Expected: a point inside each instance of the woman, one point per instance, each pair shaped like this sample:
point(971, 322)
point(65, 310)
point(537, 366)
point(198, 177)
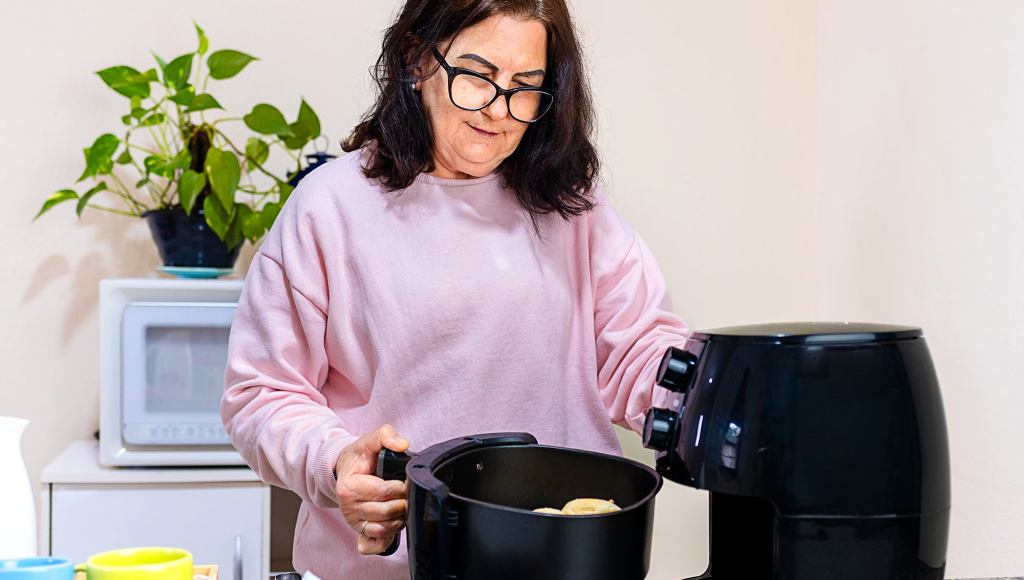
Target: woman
point(458, 272)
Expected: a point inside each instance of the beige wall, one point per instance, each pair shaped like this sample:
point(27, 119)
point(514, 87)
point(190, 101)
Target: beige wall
point(789, 160)
point(714, 164)
point(921, 213)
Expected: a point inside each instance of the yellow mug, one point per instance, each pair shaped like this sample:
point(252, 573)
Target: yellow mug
point(139, 564)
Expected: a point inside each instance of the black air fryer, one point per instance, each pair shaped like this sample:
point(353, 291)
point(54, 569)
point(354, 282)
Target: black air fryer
point(823, 445)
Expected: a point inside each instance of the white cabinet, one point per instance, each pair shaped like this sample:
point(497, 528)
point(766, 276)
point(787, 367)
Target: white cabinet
point(220, 523)
point(221, 515)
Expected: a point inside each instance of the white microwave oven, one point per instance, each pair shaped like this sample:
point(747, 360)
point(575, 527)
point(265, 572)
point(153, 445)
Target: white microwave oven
point(163, 349)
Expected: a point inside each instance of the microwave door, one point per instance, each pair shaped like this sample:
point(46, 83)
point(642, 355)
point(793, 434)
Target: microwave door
point(173, 361)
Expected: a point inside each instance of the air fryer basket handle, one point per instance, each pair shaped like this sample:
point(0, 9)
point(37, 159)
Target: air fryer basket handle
point(391, 466)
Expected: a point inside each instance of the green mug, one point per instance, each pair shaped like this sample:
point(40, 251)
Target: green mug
point(139, 564)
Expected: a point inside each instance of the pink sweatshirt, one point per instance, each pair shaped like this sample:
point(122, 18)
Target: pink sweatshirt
point(438, 310)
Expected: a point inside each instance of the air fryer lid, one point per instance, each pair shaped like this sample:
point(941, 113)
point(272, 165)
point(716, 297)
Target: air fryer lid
point(811, 332)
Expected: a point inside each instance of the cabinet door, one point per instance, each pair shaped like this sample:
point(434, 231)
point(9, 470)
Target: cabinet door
point(223, 524)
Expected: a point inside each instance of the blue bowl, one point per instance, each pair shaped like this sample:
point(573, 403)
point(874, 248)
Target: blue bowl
point(37, 569)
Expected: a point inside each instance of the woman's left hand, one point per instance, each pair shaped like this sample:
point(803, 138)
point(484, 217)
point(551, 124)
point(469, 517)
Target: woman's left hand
point(372, 506)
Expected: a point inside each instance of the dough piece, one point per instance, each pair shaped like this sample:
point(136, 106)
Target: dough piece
point(547, 510)
point(589, 506)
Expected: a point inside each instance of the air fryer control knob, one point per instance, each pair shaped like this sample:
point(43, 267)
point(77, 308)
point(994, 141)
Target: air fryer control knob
point(660, 429)
point(677, 370)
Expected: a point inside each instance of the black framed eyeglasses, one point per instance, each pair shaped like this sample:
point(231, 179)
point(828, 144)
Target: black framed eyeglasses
point(472, 91)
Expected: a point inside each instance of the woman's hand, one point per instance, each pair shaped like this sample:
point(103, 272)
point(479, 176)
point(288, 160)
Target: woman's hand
point(373, 507)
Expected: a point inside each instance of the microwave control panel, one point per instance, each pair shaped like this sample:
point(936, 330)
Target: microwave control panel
point(175, 434)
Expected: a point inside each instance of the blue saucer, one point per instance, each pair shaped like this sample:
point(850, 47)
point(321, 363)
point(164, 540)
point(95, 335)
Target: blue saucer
point(195, 273)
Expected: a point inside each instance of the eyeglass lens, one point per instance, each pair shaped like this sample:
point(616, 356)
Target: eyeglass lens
point(471, 92)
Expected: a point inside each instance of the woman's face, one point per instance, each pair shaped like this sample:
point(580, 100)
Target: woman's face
point(474, 143)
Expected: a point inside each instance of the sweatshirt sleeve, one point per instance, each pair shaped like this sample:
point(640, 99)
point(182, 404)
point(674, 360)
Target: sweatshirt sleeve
point(273, 408)
point(633, 319)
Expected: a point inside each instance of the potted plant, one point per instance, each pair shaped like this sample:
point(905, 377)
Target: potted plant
point(189, 171)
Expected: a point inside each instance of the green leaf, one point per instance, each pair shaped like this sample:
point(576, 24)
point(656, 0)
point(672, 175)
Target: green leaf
point(296, 141)
point(257, 150)
point(139, 112)
point(154, 164)
point(58, 197)
point(154, 119)
point(151, 75)
point(126, 119)
point(84, 200)
point(99, 157)
point(204, 44)
point(269, 213)
point(189, 187)
point(218, 218)
point(223, 171)
point(305, 128)
point(177, 72)
point(126, 81)
point(308, 120)
point(125, 158)
point(167, 167)
point(202, 102)
point(268, 120)
point(159, 61)
point(182, 160)
point(225, 64)
point(184, 97)
point(286, 191)
point(142, 182)
point(234, 235)
point(251, 223)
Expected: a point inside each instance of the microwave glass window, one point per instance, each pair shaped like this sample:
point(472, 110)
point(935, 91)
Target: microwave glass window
point(185, 368)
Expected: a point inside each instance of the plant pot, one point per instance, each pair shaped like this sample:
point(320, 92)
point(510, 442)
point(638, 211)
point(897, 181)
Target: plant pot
point(187, 240)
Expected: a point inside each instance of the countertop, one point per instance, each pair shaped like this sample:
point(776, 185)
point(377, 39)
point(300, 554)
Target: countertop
point(79, 463)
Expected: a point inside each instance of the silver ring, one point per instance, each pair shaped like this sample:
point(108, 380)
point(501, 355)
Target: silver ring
point(362, 528)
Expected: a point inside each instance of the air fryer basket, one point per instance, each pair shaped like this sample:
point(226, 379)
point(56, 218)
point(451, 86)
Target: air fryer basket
point(471, 502)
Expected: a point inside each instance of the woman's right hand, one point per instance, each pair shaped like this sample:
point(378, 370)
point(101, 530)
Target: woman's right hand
point(373, 507)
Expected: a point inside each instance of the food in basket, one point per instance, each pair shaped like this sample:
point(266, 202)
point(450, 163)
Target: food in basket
point(584, 506)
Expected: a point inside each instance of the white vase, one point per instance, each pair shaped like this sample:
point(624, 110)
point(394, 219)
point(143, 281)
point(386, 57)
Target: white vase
point(17, 505)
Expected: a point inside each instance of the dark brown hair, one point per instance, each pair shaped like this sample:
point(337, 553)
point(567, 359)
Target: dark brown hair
point(554, 166)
